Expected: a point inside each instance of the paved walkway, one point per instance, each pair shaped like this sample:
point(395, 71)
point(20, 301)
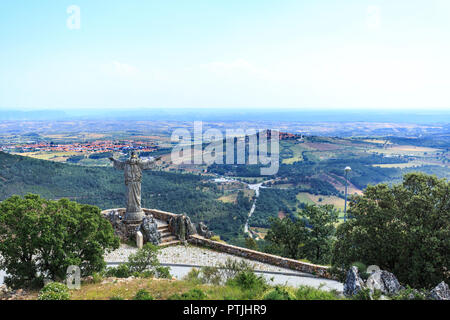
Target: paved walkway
point(182, 258)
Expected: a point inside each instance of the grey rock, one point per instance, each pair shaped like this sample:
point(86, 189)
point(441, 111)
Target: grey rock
point(182, 227)
point(440, 292)
point(149, 229)
point(353, 282)
point(383, 281)
point(203, 231)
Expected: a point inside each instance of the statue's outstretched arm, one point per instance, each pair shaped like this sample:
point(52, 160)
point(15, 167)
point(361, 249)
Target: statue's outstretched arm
point(147, 163)
point(117, 164)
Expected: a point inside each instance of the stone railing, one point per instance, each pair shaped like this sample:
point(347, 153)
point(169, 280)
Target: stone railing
point(157, 214)
point(320, 271)
point(161, 215)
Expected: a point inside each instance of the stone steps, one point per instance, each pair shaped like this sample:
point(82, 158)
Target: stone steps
point(169, 243)
point(168, 239)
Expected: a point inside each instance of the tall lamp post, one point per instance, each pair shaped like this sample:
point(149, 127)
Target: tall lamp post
point(347, 170)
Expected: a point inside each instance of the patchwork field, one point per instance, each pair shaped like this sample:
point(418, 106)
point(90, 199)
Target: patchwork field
point(309, 198)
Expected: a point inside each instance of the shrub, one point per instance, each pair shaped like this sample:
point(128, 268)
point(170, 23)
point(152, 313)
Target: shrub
point(144, 259)
point(163, 272)
point(193, 276)
point(143, 295)
point(211, 275)
point(97, 277)
point(248, 280)
point(193, 294)
point(367, 294)
point(410, 294)
point(146, 274)
point(232, 267)
point(279, 293)
point(54, 291)
point(310, 293)
point(122, 271)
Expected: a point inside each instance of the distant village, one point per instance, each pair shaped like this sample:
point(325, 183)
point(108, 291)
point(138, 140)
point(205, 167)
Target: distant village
point(88, 147)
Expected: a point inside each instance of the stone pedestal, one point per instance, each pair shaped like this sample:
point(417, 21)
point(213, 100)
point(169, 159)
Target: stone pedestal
point(131, 228)
point(134, 216)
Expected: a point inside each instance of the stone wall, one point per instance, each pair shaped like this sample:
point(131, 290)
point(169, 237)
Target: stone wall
point(161, 215)
point(321, 271)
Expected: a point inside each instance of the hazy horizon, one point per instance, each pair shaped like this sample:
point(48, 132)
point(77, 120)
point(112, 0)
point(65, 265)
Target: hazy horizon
point(230, 114)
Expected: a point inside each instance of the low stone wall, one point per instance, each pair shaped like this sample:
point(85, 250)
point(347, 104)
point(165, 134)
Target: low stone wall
point(161, 215)
point(321, 271)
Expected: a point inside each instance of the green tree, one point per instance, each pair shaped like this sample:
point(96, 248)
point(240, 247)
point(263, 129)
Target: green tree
point(40, 238)
point(286, 237)
point(404, 229)
point(310, 237)
point(251, 244)
point(319, 241)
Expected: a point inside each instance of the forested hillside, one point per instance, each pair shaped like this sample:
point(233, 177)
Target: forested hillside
point(104, 187)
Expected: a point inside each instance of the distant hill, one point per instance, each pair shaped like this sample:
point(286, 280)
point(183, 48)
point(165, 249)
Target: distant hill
point(104, 187)
point(32, 115)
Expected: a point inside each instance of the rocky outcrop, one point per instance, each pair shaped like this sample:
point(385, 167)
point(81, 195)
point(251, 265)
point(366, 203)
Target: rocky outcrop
point(440, 292)
point(383, 281)
point(149, 229)
point(203, 231)
point(353, 282)
point(182, 227)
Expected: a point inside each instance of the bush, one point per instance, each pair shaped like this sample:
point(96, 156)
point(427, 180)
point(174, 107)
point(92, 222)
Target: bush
point(41, 238)
point(278, 293)
point(193, 294)
point(97, 277)
point(411, 294)
point(163, 272)
point(122, 271)
point(144, 259)
point(217, 239)
point(367, 294)
point(211, 275)
point(232, 267)
point(54, 291)
point(248, 280)
point(143, 295)
point(193, 276)
point(310, 293)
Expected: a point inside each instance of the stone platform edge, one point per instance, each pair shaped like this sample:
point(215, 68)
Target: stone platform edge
point(158, 214)
point(320, 271)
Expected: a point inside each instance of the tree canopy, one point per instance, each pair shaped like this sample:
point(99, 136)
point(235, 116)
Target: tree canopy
point(40, 239)
point(404, 229)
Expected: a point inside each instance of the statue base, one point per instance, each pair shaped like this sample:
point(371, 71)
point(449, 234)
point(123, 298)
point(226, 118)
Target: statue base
point(134, 217)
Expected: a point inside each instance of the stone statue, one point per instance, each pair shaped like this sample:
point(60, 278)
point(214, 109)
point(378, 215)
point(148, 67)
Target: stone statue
point(133, 175)
point(149, 229)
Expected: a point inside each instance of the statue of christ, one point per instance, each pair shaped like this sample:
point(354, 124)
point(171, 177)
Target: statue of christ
point(133, 176)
